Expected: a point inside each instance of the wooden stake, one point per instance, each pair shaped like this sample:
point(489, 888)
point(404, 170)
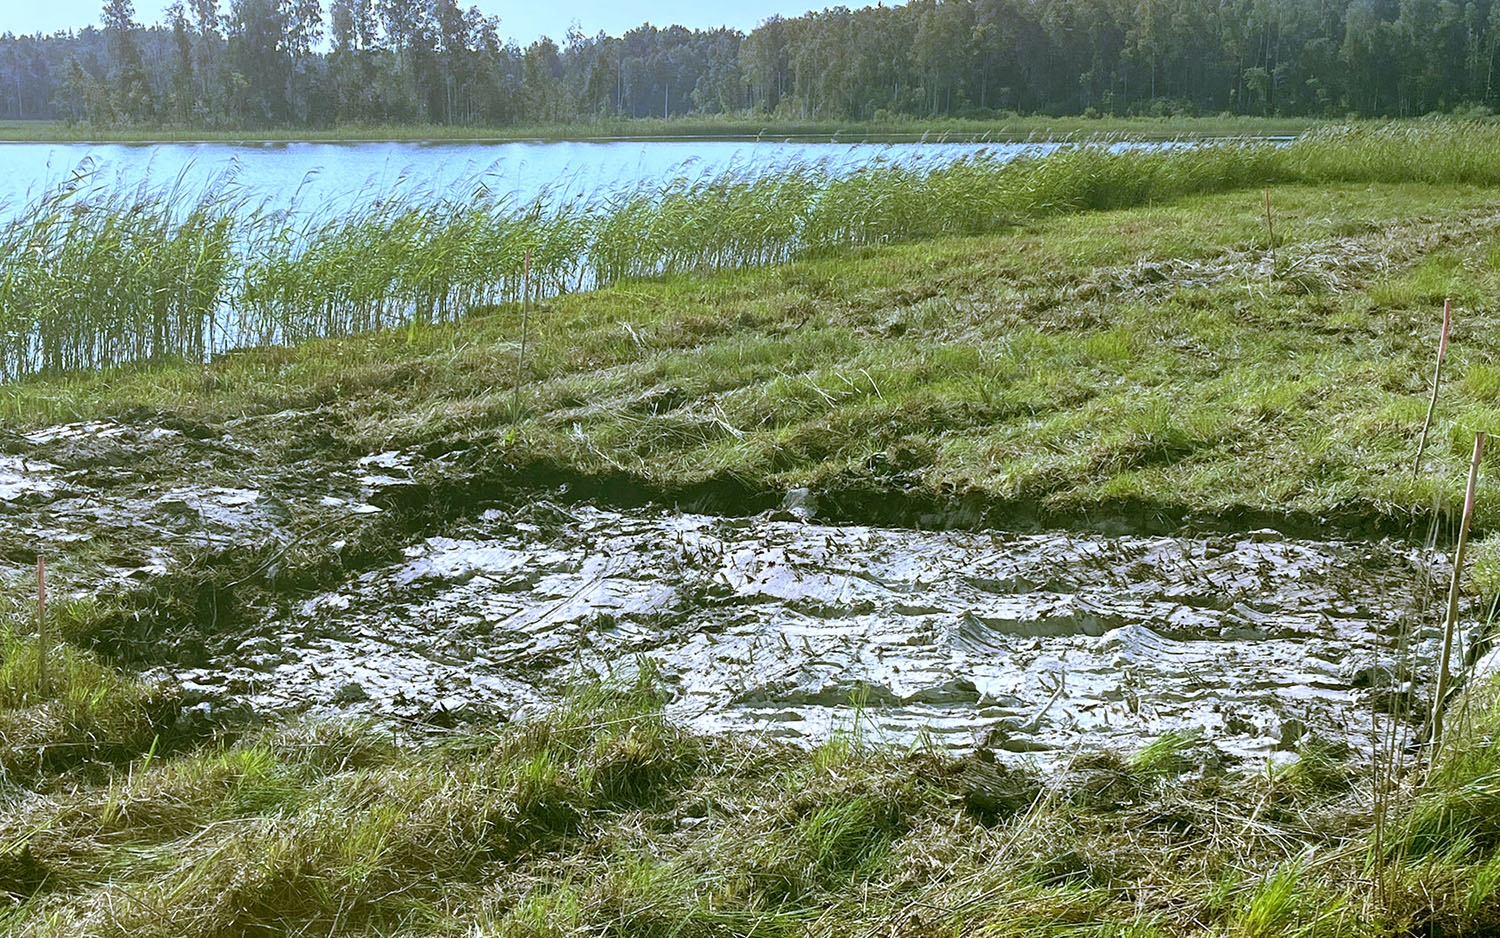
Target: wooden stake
point(1437, 376)
point(41, 625)
point(1444, 680)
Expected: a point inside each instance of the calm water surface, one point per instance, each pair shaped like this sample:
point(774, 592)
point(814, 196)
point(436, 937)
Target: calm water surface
point(333, 176)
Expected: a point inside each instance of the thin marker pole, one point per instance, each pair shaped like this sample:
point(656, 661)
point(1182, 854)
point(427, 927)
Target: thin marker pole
point(41, 625)
point(1270, 232)
point(1437, 376)
point(1451, 625)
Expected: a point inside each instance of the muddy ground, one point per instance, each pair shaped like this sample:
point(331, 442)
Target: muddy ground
point(276, 584)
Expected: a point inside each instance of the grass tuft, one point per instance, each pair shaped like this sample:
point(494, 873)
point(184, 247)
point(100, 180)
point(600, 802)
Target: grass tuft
point(85, 712)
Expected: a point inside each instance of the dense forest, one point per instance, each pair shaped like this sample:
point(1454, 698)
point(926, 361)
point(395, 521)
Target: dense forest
point(297, 63)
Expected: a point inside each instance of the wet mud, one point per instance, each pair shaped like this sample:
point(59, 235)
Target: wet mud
point(1032, 645)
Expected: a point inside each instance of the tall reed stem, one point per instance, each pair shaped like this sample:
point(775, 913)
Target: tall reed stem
point(1450, 626)
point(1437, 376)
point(521, 357)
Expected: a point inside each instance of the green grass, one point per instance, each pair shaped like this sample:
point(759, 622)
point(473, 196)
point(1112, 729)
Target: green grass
point(92, 278)
point(1144, 362)
point(82, 714)
point(604, 818)
point(699, 127)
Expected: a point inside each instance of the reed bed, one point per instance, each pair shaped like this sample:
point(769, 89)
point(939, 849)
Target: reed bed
point(92, 278)
point(1431, 150)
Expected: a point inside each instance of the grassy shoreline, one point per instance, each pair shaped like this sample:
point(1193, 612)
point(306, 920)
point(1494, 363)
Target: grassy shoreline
point(1174, 353)
point(93, 277)
point(688, 128)
point(1151, 357)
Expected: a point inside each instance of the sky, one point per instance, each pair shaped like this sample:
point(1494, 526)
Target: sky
point(523, 20)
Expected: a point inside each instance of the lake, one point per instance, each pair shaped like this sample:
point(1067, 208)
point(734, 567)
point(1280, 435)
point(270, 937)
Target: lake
point(336, 177)
point(306, 240)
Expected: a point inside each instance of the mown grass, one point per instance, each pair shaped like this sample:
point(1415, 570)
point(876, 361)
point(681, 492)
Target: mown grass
point(73, 712)
point(1150, 360)
point(604, 818)
point(94, 279)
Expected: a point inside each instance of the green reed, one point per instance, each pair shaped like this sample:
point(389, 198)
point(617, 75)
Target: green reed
point(93, 278)
point(713, 223)
point(1430, 150)
point(403, 260)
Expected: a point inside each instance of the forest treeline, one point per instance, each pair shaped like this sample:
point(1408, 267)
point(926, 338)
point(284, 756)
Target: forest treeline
point(299, 63)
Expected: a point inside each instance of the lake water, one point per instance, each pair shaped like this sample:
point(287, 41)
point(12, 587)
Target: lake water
point(333, 176)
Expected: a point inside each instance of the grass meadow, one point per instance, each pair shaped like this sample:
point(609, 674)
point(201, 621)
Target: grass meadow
point(1218, 337)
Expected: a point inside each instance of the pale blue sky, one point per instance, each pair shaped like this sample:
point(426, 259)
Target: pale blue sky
point(523, 20)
